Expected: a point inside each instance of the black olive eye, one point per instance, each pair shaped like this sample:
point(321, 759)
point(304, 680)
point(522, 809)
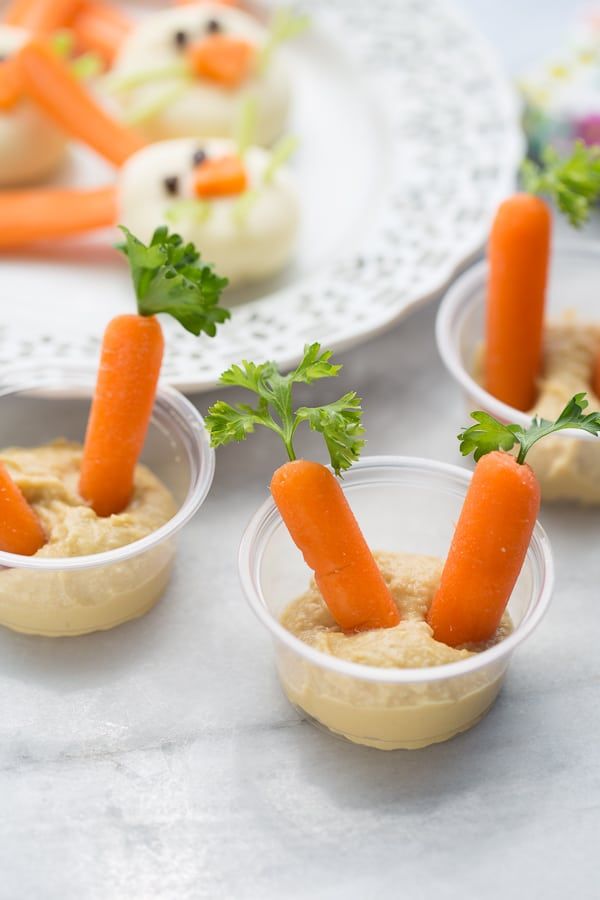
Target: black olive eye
point(171, 185)
point(213, 26)
point(181, 39)
point(199, 157)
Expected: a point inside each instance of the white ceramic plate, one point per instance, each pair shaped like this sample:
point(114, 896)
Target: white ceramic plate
point(410, 138)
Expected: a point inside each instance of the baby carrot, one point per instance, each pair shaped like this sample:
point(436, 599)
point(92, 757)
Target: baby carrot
point(18, 12)
point(43, 16)
point(323, 527)
point(11, 84)
point(52, 86)
point(487, 551)
point(596, 376)
point(518, 254)
point(132, 351)
point(20, 528)
point(31, 215)
point(220, 177)
point(100, 28)
point(223, 59)
point(496, 523)
point(168, 277)
point(310, 500)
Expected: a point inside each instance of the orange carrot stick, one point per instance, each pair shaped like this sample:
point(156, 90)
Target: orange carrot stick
point(18, 12)
point(487, 551)
point(220, 177)
point(596, 377)
point(322, 525)
point(51, 85)
point(100, 28)
point(20, 529)
point(168, 278)
point(132, 352)
point(518, 252)
point(310, 500)
point(11, 84)
point(42, 16)
point(223, 59)
point(32, 215)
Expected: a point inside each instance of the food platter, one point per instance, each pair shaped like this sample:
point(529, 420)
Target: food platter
point(409, 138)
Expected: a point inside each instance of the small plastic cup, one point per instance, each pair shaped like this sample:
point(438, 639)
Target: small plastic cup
point(75, 595)
point(403, 505)
point(460, 335)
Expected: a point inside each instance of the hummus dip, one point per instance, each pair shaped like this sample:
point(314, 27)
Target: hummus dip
point(69, 602)
point(567, 468)
point(383, 714)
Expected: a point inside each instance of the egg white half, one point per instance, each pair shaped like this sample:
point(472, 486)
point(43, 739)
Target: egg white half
point(244, 248)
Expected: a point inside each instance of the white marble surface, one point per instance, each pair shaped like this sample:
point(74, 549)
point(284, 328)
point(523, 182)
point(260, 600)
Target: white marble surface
point(161, 761)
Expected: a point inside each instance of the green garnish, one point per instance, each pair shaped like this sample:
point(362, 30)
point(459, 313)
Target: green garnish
point(196, 211)
point(63, 43)
point(246, 125)
point(126, 82)
point(573, 182)
point(243, 205)
point(169, 277)
point(87, 66)
point(153, 108)
point(338, 422)
point(279, 156)
point(282, 151)
point(284, 26)
point(489, 434)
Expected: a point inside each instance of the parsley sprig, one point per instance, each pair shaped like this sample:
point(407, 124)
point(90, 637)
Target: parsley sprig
point(489, 434)
point(339, 422)
point(573, 182)
point(169, 277)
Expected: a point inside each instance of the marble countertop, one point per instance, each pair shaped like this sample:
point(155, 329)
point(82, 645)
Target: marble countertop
point(132, 773)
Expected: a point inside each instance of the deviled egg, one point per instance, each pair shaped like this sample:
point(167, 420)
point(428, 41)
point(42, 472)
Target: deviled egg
point(241, 211)
point(31, 145)
point(189, 70)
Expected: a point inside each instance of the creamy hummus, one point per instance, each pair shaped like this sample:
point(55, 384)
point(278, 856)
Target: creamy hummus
point(65, 602)
point(567, 468)
point(380, 714)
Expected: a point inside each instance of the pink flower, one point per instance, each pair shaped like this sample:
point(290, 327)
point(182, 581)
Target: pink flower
point(587, 129)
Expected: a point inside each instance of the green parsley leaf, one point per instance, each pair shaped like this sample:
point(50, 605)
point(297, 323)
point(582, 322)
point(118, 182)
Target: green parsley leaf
point(573, 182)
point(338, 422)
point(489, 434)
point(486, 436)
point(229, 423)
point(340, 425)
point(169, 277)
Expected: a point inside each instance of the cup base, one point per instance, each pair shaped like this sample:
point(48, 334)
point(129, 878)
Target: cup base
point(398, 743)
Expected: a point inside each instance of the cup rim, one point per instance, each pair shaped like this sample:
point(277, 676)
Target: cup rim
point(267, 517)
point(188, 417)
point(458, 295)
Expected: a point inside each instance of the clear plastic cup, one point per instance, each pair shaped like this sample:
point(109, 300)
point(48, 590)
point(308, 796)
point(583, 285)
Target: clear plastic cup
point(460, 336)
point(403, 505)
point(75, 595)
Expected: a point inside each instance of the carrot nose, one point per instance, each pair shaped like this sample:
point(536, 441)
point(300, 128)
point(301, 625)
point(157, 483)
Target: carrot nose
point(222, 59)
point(221, 177)
point(11, 83)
